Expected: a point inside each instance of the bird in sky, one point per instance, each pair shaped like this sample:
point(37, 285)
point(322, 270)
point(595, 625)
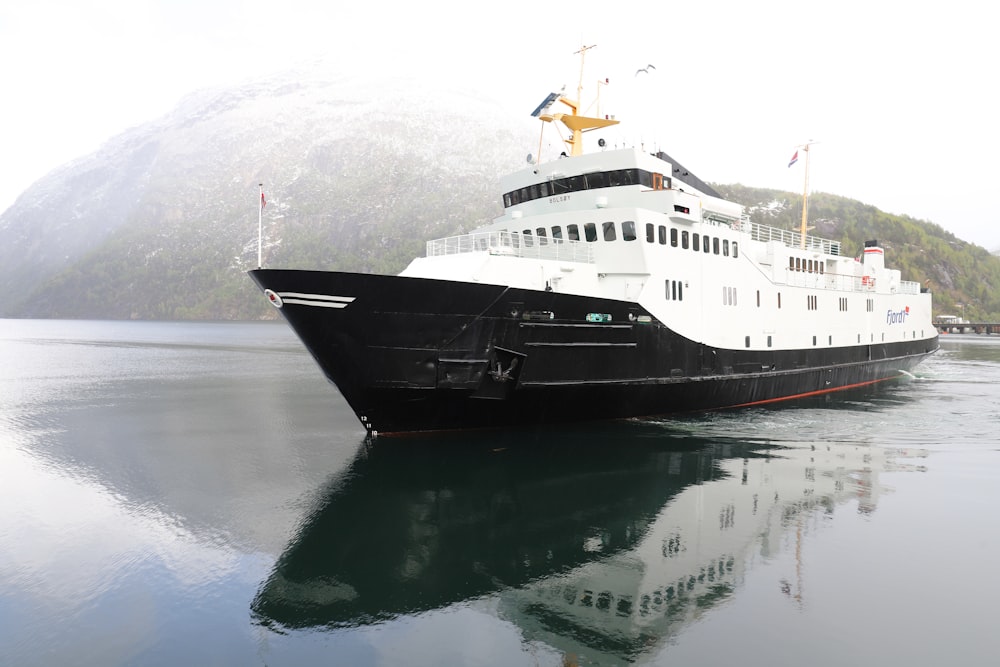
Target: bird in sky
point(644, 69)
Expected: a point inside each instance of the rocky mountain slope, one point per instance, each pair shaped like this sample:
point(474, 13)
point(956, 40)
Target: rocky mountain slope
point(161, 222)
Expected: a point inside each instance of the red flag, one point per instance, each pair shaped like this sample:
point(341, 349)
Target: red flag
point(262, 202)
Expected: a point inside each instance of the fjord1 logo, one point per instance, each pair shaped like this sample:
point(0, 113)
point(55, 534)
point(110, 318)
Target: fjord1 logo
point(897, 316)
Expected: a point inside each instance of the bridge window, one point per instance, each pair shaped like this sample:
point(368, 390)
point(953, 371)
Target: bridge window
point(527, 238)
point(662, 231)
point(673, 237)
point(590, 230)
point(684, 239)
point(705, 245)
point(695, 242)
point(628, 231)
point(542, 240)
point(572, 232)
point(557, 232)
point(725, 248)
point(609, 231)
point(650, 232)
point(715, 245)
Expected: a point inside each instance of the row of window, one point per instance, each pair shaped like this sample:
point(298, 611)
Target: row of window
point(674, 292)
point(609, 231)
point(694, 241)
point(805, 265)
point(600, 179)
point(829, 339)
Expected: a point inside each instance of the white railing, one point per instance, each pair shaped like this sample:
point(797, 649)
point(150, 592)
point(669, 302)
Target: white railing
point(843, 282)
point(759, 232)
point(513, 244)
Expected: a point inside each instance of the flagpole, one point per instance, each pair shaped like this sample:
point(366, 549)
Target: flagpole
point(260, 228)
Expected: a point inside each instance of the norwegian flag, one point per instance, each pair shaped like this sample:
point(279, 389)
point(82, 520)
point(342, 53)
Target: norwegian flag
point(262, 202)
point(795, 158)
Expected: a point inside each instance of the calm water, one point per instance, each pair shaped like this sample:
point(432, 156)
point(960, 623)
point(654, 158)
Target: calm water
point(196, 494)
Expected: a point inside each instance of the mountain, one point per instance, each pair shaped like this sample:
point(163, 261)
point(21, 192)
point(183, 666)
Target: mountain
point(161, 221)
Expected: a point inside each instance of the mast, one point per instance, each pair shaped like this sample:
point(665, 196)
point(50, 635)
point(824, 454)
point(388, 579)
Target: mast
point(805, 199)
point(576, 123)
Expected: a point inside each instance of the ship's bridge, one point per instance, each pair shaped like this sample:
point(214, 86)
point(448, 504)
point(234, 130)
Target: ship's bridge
point(613, 179)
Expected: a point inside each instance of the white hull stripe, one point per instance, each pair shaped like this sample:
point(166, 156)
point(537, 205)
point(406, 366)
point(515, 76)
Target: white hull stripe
point(321, 300)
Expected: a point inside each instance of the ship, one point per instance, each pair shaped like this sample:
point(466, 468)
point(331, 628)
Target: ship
point(616, 284)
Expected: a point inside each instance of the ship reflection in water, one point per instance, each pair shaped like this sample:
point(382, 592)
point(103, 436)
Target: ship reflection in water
point(608, 544)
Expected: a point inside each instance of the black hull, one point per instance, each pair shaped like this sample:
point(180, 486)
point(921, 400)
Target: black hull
point(412, 354)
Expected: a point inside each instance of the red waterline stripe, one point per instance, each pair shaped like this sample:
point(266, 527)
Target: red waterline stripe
point(818, 392)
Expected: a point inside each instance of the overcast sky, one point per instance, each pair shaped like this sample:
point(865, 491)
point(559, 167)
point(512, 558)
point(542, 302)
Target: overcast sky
point(901, 96)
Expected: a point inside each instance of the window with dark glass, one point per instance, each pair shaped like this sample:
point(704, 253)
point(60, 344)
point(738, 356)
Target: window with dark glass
point(725, 247)
point(650, 232)
point(695, 242)
point(572, 232)
point(528, 242)
point(597, 180)
point(715, 245)
point(628, 230)
point(590, 230)
point(673, 237)
point(540, 232)
point(662, 235)
point(608, 229)
point(557, 232)
point(684, 239)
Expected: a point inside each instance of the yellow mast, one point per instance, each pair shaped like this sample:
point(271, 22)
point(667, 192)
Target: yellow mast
point(576, 123)
point(805, 199)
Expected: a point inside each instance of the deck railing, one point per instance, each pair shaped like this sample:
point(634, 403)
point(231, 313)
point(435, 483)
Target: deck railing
point(765, 233)
point(513, 244)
